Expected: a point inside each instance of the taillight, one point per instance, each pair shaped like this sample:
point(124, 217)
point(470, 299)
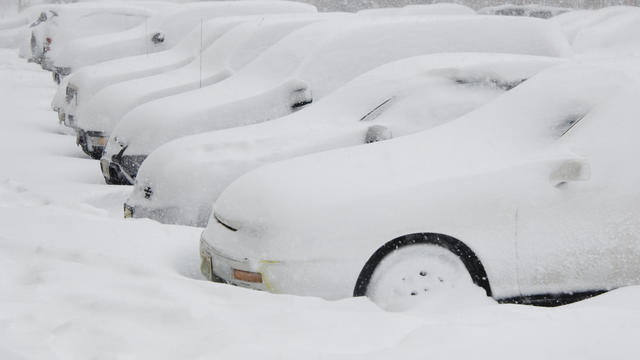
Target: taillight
point(48, 40)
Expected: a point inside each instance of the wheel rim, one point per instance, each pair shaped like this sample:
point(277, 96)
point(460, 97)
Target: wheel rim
point(414, 274)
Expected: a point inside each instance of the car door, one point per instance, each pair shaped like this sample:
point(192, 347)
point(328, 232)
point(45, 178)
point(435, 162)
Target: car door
point(582, 233)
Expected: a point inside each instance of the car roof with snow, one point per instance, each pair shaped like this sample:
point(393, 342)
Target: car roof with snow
point(525, 121)
point(321, 57)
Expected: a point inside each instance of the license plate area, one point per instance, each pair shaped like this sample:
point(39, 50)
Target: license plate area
point(206, 266)
point(104, 166)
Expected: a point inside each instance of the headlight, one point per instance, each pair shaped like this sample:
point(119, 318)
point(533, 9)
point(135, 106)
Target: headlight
point(247, 276)
point(96, 138)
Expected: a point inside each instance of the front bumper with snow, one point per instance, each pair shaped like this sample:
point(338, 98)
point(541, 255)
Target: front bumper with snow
point(220, 267)
point(166, 215)
point(91, 142)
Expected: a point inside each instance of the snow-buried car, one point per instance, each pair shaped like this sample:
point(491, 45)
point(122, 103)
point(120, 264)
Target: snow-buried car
point(237, 47)
point(532, 197)
point(160, 32)
point(179, 182)
point(306, 66)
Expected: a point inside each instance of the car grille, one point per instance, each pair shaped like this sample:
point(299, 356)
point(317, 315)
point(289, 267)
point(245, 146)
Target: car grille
point(70, 94)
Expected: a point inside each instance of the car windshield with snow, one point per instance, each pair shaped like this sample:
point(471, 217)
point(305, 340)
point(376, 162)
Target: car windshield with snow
point(307, 65)
point(536, 205)
point(179, 181)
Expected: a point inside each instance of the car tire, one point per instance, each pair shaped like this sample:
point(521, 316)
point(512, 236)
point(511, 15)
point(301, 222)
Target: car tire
point(420, 259)
point(415, 273)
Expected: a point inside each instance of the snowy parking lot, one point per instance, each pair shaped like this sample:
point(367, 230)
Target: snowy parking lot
point(78, 281)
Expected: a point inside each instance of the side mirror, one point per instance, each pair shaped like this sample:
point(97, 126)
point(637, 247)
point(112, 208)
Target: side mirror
point(157, 38)
point(377, 133)
point(570, 170)
point(300, 98)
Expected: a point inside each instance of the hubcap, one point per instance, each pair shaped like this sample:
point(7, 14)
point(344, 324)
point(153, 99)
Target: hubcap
point(414, 274)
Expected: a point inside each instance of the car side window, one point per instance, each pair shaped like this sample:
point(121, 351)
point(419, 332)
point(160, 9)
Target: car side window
point(376, 111)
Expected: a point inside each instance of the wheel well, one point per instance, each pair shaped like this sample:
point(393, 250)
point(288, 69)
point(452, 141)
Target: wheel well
point(468, 257)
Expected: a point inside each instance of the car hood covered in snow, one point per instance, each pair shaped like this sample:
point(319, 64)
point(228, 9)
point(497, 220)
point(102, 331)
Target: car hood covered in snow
point(338, 195)
point(316, 60)
point(404, 96)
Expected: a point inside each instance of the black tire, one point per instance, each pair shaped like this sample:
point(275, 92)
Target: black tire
point(467, 256)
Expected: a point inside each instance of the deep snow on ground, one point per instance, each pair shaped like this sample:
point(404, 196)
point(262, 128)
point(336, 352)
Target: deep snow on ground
point(79, 282)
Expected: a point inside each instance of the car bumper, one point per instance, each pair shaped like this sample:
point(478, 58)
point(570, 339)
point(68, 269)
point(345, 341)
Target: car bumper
point(217, 266)
point(91, 142)
point(166, 215)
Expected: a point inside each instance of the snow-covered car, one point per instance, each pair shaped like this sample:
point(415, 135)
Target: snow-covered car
point(162, 31)
point(179, 182)
point(62, 24)
point(78, 88)
point(239, 46)
point(424, 9)
point(613, 29)
point(532, 10)
point(532, 197)
point(307, 65)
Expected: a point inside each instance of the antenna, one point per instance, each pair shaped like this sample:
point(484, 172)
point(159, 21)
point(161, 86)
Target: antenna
point(201, 44)
point(146, 36)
